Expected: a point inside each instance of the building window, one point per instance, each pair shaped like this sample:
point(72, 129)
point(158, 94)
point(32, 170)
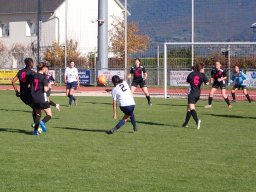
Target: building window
point(30, 28)
point(4, 29)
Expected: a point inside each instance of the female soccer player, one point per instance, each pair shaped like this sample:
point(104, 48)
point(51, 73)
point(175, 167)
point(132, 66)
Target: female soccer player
point(239, 79)
point(195, 80)
point(218, 77)
point(40, 101)
point(72, 81)
point(24, 76)
point(121, 93)
point(139, 78)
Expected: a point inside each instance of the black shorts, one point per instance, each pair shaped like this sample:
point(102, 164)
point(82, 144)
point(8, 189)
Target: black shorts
point(72, 85)
point(127, 110)
point(27, 100)
point(220, 85)
point(239, 87)
point(192, 99)
point(44, 105)
point(141, 83)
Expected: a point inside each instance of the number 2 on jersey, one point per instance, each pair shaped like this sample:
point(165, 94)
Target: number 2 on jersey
point(122, 87)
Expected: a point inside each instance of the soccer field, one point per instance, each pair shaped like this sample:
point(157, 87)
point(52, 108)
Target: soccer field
point(76, 154)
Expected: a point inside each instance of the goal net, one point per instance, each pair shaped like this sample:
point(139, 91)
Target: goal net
point(179, 57)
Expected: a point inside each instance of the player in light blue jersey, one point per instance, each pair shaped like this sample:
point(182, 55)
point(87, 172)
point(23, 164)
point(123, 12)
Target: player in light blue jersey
point(239, 79)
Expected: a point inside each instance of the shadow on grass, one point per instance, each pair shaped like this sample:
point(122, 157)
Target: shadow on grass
point(16, 131)
point(151, 123)
point(232, 116)
point(80, 129)
point(98, 103)
point(25, 111)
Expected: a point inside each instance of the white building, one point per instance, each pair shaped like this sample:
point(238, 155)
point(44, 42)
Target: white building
point(18, 21)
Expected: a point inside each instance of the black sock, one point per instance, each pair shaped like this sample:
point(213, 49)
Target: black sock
point(148, 98)
point(194, 115)
point(34, 114)
point(70, 99)
point(188, 115)
point(233, 96)
point(46, 118)
point(248, 97)
point(37, 120)
point(52, 103)
point(210, 100)
point(227, 101)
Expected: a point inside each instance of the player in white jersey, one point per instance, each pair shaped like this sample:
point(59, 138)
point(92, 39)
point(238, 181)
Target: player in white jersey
point(121, 93)
point(72, 81)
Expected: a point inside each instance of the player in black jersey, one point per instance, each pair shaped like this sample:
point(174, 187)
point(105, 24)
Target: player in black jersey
point(38, 90)
point(218, 78)
point(24, 77)
point(195, 80)
point(139, 78)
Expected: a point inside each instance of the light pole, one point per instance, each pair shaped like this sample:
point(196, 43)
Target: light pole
point(125, 40)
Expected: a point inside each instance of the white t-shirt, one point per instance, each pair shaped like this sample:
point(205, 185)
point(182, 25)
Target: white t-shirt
point(71, 74)
point(123, 94)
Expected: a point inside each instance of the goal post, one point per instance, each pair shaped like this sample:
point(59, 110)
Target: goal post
point(179, 55)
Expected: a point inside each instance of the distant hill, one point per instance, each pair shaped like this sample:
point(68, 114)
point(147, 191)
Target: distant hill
point(215, 20)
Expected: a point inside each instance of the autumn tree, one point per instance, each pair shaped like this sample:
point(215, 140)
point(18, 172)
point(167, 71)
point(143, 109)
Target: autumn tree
point(136, 42)
point(55, 54)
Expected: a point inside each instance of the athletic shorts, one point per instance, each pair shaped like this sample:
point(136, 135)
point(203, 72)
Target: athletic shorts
point(239, 87)
point(192, 99)
point(44, 105)
point(72, 85)
point(220, 85)
point(141, 83)
point(27, 100)
point(127, 110)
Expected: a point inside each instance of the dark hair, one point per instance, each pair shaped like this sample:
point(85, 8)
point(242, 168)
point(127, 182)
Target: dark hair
point(137, 59)
point(116, 80)
point(198, 67)
point(29, 62)
point(41, 65)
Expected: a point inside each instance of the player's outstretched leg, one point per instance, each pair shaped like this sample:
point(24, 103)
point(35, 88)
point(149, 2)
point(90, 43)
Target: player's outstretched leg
point(188, 115)
point(133, 121)
point(118, 126)
point(194, 115)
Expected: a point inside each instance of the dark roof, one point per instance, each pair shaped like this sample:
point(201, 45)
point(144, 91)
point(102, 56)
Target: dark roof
point(28, 6)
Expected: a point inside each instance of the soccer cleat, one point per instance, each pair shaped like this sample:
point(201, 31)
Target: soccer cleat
point(135, 129)
point(42, 125)
point(40, 130)
point(36, 132)
point(229, 106)
point(184, 125)
point(207, 106)
point(198, 124)
point(150, 104)
point(58, 107)
point(109, 131)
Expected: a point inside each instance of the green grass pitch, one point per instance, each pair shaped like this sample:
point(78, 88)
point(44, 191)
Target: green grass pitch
point(76, 154)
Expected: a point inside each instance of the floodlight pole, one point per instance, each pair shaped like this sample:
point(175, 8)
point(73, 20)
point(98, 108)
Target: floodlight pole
point(125, 41)
point(192, 35)
point(38, 29)
point(66, 31)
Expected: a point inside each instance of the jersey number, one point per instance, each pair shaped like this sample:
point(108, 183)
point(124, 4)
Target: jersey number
point(196, 80)
point(122, 87)
point(36, 84)
point(23, 77)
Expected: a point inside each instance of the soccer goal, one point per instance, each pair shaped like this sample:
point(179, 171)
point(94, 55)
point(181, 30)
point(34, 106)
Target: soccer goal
point(179, 57)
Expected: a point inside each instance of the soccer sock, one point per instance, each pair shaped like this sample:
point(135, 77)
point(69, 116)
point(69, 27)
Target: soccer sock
point(46, 118)
point(194, 115)
point(37, 120)
point(119, 125)
point(70, 99)
point(248, 97)
point(34, 115)
point(148, 98)
point(233, 96)
point(210, 100)
point(52, 103)
point(133, 121)
point(187, 118)
point(227, 101)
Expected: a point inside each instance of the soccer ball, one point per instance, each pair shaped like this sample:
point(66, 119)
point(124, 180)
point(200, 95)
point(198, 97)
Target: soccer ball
point(102, 80)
